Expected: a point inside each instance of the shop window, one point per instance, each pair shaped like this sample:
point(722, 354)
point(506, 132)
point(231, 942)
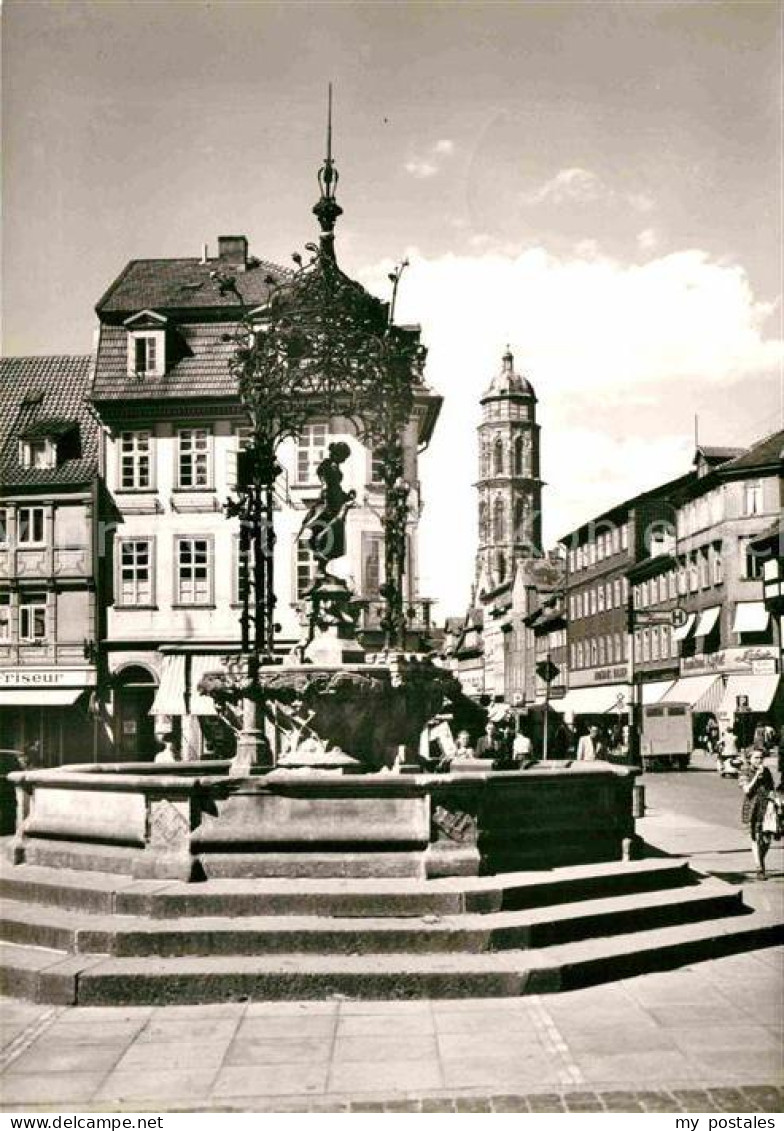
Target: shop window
point(136, 573)
point(194, 464)
point(32, 618)
point(194, 571)
point(135, 461)
point(31, 526)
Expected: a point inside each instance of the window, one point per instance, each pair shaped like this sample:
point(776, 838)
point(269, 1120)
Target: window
point(377, 466)
point(306, 569)
point(3, 526)
point(718, 566)
point(752, 497)
point(655, 643)
point(499, 521)
point(194, 581)
point(594, 654)
point(591, 553)
point(593, 602)
point(750, 563)
point(638, 647)
point(646, 645)
point(311, 450)
point(38, 453)
point(579, 654)
point(616, 540)
point(600, 599)
point(602, 652)
point(145, 353)
point(703, 569)
point(693, 574)
point(498, 457)
point(372, 545)
point(134, 460)
point(617, 648)
point(195, 463)
point(573, 655)
point(625, 536)
point(32, 617)
point(600, 548)
point(571, 608)
point(644, 595)
point(136, 572)
point(5, 616)
point(617, 594)
point(31, 526)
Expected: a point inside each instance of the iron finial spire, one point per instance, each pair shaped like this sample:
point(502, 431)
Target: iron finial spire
point(327, 210)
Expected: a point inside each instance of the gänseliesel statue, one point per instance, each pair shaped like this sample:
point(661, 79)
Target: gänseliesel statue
point(325, 522)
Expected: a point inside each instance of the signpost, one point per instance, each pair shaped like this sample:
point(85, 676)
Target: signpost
point(547, 671)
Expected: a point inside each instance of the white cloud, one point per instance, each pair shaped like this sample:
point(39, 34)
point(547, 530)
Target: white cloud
point(581, 186)
point(596, 332)
point(421, 169)
point(428, 165)
point(647, 239)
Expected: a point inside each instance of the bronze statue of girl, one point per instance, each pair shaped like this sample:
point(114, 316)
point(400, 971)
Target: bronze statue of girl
point(326, 519)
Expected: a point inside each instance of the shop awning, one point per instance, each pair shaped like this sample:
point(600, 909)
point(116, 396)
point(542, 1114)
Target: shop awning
point(750, 616)
point(39, 697)
point(594, 700)
point(200, 665)
point(707, 621)
point(760, 690)
point(701, 692)
point(684, 630)
point(653, 692)
point(170, 696)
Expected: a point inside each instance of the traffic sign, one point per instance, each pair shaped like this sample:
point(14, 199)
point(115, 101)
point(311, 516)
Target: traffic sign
point(547, 670)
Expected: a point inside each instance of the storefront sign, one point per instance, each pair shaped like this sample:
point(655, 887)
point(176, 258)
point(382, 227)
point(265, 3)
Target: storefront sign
point(592, 676)
point(47, 677)
point(748, 660)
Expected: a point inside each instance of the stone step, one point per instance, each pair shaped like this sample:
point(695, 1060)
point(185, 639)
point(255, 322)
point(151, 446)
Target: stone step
point(96, 893)
point(133, 936)
point(52, 976)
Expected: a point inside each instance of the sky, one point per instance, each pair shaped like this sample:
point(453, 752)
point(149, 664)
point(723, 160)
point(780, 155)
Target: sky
point(597, 185)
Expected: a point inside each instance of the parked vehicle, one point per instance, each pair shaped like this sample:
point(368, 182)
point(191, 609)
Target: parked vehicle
point(666, 741)
point(10, 760)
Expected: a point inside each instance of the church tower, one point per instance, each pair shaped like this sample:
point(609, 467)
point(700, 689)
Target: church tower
point(509, 486)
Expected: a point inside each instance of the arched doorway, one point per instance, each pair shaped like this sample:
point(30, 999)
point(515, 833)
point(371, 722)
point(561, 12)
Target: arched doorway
point(134, 726)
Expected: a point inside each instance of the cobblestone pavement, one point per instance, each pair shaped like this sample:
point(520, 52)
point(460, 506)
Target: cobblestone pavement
point(702, 1038)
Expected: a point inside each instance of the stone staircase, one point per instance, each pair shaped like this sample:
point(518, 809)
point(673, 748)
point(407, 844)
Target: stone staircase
point(94, 938)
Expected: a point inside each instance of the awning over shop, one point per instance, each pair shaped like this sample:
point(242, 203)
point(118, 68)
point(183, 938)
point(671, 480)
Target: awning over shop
point(39, 697)
point(200, 665)
point(760, 690)
point(707, 621)
point(684, 630)
point(594, 700)
point(182, 673)
point(750, 616)
point(170, 696)
point(701, 692)
point(653, 692)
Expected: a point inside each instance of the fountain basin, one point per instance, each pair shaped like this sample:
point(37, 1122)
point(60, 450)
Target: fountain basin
point(191, 821)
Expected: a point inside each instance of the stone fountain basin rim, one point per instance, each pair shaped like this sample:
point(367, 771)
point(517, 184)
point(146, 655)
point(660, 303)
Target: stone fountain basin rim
point(189, 777)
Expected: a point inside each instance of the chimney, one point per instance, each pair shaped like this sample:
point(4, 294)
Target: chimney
point(233, 250)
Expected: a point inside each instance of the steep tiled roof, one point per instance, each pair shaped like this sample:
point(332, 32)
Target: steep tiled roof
point(184, 284)
point(717, 455)
point(765, 453)
point(51, 391)
point(199, 367)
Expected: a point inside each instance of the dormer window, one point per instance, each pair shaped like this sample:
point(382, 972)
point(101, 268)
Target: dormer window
point(146, 344)
point(38, 453)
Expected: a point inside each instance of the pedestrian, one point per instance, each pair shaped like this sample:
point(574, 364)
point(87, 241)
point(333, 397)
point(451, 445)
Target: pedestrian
point(727, 754)
point(489, 744)
point(758, 790)
point(522, 748)
point(591, 748)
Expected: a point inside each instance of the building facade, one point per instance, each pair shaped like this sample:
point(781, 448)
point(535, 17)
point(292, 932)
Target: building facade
point(52, 541)
point(173, 428)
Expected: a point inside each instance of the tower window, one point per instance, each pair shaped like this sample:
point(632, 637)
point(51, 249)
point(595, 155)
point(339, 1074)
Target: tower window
point(498, 457)
point(499, 521)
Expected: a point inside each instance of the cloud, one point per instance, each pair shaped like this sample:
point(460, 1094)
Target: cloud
point(608, 346)
point(581, 186)
point(647, 239)
point(429, 164)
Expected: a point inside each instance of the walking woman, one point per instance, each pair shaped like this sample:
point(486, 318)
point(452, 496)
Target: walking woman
point(757, 787)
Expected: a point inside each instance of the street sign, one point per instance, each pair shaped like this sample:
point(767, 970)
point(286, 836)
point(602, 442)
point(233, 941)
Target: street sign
point(679, 617)
point(547, 670)
point(675, 617)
